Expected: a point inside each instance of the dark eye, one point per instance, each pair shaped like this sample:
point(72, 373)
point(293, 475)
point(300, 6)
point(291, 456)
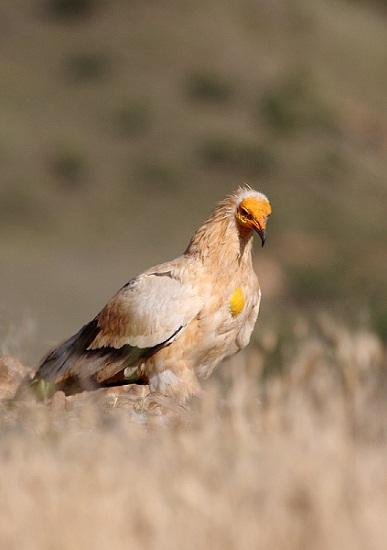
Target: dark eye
point(245, 212)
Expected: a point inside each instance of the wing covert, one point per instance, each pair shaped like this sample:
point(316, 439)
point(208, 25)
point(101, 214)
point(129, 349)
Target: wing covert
point(149, 311)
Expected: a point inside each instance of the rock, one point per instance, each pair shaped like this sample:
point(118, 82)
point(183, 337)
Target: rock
point(12, 373)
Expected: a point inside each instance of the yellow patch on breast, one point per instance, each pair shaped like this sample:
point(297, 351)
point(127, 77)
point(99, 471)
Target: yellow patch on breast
point(237, 301)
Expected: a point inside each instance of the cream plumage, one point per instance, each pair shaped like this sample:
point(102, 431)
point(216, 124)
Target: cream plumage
point(171, 325)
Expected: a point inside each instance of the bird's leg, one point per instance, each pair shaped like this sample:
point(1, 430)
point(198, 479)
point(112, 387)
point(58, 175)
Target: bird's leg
point(178, 381)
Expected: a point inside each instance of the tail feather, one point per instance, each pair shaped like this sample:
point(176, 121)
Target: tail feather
point(72, 367)
point(60, 359)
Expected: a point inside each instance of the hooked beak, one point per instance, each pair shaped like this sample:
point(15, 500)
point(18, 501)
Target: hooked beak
point(261, 232)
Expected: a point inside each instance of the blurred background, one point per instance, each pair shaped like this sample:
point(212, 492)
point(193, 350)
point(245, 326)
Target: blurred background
point(123, 122)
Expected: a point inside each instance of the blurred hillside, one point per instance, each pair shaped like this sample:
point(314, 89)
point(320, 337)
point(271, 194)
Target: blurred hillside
point(121, 123)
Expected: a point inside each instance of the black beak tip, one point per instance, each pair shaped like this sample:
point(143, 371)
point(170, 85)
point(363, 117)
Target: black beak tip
point(262, 235)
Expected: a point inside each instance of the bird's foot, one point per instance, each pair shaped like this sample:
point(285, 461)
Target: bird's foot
point(157, 404)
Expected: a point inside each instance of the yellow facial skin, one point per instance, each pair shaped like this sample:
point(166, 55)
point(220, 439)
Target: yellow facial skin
point(252, 214)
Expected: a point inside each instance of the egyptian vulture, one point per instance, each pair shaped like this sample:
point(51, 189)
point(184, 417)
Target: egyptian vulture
point(170, 326)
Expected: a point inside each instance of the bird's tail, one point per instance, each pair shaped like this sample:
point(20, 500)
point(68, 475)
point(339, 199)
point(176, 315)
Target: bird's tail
point(71, 367)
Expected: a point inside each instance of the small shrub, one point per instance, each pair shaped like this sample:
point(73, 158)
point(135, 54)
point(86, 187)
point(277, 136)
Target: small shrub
point(132, 118)
point(208, 87)
point(68, 165)
point(70, 9)
point(217, 151)
point(88, 66)
point(246, 156)
point(292, 105)
point(158, 174)
point(254, 158)
point(372, 4)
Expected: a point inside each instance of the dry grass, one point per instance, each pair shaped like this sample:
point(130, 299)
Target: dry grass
point(288, 461)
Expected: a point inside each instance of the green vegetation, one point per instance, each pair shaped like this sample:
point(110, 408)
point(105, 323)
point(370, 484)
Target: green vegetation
point(242, 156)
point(208, 87)
point(70, 9)
point(291, 105)
point(157, 175)
point(88, 66)
point(68, 166)
point(132, 118)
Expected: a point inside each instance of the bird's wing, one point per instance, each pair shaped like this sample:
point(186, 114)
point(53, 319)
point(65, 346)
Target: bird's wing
point(146, 314)
point(150, 310)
